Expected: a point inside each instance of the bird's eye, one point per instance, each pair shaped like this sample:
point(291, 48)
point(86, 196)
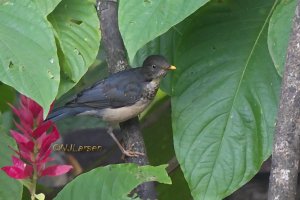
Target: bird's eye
point(154, 66)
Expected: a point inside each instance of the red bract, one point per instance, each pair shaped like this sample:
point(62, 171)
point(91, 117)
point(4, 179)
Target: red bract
point(34, 143)
point(36, 109)
point(41, 129)
point(56, 170)
point(19, 170)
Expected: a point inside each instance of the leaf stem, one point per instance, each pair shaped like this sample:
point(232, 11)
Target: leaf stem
point(34, 182)
point(35, 172)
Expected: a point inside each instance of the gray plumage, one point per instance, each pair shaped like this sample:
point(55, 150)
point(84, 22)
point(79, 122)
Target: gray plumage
point(119, 97)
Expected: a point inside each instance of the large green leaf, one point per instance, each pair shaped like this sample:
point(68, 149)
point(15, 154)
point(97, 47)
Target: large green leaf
point(225, 95)
point(279, 32)
point(157, 133)
point(10, 189)
point(77, 31)
point(112, 182)
point(46, 6)
point(142, 21)
point(28, 57)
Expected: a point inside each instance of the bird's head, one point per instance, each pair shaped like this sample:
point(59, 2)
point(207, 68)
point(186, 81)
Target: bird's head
point(156, 67)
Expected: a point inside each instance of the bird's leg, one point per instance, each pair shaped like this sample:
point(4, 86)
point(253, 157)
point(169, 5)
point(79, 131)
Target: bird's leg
point(125, 152)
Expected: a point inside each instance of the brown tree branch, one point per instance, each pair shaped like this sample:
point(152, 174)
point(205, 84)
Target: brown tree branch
point(111, 36)
point(285, 158)
point(116, 60)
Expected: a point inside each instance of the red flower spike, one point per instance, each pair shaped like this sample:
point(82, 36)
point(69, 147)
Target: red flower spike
point(26, 147)
point(54, 134)
point(41, 140)
point(28, 170)
point(19, 170)
point(26, 155)
point(20, 138)
point(17, 162)
point(15, 172)
point(24, 101)
point(26, 126)
point(56, 170)
point(43, 157)
point(42, 163)
point(16, 111)
point(26, 117)
point(24, 130)
point(39, 118)
point(45, 146)
point(41, 129)
point(23, 153)
point(40, 168)
point(34, 145)
point(34, 108)
point(45, 141)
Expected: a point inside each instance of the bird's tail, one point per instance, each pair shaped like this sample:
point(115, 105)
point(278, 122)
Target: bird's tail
point(63, 112)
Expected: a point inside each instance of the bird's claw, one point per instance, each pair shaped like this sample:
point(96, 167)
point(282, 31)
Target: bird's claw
point(128, 153)
point(132, 153)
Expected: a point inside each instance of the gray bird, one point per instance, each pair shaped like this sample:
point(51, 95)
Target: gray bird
point(119, 97)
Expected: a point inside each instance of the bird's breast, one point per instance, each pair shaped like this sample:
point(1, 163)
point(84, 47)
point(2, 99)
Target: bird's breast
point(151, 89)
point(117, 115)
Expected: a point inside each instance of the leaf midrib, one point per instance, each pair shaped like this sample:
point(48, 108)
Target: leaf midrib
point(238, 88)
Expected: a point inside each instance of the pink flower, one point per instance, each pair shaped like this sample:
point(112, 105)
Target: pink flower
point(34, 143)
point(19, 170)
point(56, 170)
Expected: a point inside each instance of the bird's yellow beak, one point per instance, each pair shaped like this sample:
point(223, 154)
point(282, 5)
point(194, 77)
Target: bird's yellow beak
point(172, 67)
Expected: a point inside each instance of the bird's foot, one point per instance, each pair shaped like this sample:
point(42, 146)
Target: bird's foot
point(130, 153)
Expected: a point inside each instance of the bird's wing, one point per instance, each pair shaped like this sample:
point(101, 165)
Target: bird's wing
point(122, 89)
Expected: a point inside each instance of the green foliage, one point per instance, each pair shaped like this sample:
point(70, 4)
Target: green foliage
point(224, 93)
point(76, 28)
point(5, 122)
point(46, 6)
point(10, 189)
point(35, 51)
point(225, 96)
point(279, 32)
point(112, 181)
point(7, 96)
point(28, 58)
point(157, 133)
point(151, 18)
